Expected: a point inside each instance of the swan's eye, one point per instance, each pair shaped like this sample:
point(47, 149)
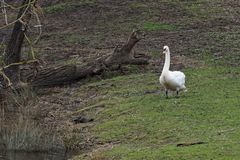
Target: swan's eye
point(164, 49)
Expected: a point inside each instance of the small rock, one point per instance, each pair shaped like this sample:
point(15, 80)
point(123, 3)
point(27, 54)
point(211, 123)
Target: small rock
point(82, 119)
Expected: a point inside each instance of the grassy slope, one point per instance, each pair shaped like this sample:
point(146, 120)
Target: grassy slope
point(137, 125)
point(149, 126)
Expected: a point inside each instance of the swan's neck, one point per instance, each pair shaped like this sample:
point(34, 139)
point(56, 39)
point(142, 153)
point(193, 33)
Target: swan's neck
point(167, 63)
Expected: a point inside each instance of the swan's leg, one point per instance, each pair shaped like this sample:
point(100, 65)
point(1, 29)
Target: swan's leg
point(166, 92)
point(177, 93)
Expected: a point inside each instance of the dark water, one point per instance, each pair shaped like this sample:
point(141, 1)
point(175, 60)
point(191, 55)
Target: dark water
point(13, 155)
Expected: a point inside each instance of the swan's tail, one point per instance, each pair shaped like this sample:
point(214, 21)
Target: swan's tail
point(184, 88)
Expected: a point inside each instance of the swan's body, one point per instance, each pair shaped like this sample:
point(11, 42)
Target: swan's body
point(171, 80)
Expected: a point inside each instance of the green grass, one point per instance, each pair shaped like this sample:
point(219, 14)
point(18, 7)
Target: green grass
point(138, 5)
point(196, 9)
point(75, 38)
point(56, 8)
point(63, 6)
point(230, 54)
point(202, 9)
point(150, 26)
point(149, 126)
point(70, 38)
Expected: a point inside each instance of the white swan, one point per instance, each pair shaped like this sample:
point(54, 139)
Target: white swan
point(171, 80)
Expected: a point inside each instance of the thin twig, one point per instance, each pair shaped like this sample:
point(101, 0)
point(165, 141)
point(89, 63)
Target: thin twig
point(31, 46)
point(4, 11)
point(18, 63)
point(20, 18)
point(9, 83)
point(2, 43)
point(4, 48)
point(12, 7)
point(28, 7)
point(6, 78)
point(39, 26)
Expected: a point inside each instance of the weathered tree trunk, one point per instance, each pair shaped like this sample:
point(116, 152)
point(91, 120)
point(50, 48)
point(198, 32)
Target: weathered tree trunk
point(68, 73)
point(13, 50)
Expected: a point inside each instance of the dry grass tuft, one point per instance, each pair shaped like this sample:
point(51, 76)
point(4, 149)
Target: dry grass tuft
point(19, 130)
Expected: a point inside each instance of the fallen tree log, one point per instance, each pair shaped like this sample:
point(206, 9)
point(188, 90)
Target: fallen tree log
point(69, 73)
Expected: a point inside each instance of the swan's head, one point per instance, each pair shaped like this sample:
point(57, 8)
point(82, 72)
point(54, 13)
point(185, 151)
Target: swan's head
point(165, 49)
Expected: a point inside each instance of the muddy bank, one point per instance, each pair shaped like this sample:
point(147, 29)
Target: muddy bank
point(21, 155)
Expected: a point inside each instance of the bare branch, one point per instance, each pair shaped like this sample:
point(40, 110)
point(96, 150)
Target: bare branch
point(5, 77)
point(30, 3)
point(9, 83)
point(19, 63)
point(31, 46)
point(4, 11)
point(12, 7)
point(12, 58)
point(39, 26)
